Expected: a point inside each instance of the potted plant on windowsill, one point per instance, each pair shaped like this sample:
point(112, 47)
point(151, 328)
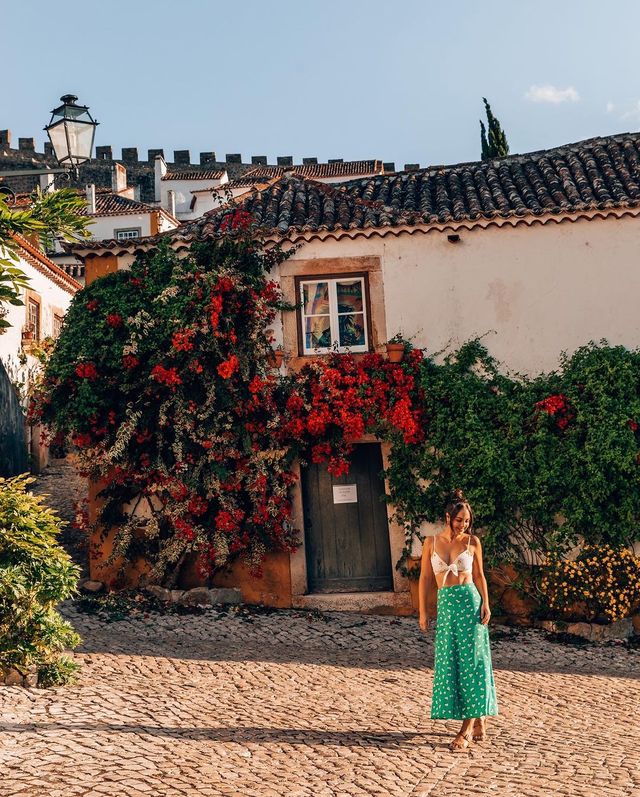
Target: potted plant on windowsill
point(28, 332)
point(278, 356)
point(396, 348)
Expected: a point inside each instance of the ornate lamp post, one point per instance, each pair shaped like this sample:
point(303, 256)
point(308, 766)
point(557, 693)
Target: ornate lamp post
point(71, 131)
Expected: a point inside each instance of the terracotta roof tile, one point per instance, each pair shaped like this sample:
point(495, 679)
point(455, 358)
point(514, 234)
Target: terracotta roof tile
point(319, 171)
point(110, 204)
point(590, 175)
point(195, 175)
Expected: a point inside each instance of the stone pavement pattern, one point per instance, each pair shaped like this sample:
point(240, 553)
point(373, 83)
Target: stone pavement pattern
point(294, 704)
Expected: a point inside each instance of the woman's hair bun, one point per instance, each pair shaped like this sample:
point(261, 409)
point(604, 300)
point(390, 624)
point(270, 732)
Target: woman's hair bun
point(458, 495)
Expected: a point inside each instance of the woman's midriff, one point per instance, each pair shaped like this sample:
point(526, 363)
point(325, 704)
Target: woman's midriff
point(451, 582)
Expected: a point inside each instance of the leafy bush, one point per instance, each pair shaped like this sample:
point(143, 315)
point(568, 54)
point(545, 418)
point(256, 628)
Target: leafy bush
point(35, 575)
point(603, 583)
point(162, 379)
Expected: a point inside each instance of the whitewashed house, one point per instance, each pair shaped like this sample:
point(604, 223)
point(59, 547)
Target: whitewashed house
point(537, 252)
point(46, 300)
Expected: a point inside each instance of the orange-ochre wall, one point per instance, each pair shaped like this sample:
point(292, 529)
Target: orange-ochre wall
point(273, 589)
point(98, 265)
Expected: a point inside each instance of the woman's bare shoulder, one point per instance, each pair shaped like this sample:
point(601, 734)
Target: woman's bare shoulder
point(474, 541)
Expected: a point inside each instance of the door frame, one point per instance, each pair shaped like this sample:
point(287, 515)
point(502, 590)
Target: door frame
point(298, 561)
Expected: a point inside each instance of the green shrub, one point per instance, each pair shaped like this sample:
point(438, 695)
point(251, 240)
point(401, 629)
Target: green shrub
point(35, 575)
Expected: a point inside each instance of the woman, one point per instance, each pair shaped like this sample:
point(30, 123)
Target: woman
point(463, 685)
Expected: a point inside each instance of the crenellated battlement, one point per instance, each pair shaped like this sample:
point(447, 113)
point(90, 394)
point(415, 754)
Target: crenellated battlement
point(140, 165)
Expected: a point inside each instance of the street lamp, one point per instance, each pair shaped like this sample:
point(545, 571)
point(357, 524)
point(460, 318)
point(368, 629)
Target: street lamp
point(71, 132)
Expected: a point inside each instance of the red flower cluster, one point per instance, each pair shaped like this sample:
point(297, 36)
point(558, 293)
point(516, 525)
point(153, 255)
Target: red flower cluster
point(184, 530)
point(114, 320)
point(227, 368)
point(337, 400)
point(228, 521)
point(183, 340)
point(633, 425)
point(215, 308)
point(86, 371)
point(92, 305)
point(130, 361)
point(167, 376)
point(81, 440)
point(558, 407)
point(238, 220)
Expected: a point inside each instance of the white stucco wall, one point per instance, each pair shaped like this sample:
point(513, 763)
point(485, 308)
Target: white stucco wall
point(51, 297)
point(105, 226)
point(183, 195)
point(535, 290)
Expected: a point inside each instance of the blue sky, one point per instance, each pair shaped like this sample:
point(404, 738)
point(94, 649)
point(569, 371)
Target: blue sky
point(339, 78)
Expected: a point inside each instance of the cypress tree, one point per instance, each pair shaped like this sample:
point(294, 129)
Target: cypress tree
point(494, 141)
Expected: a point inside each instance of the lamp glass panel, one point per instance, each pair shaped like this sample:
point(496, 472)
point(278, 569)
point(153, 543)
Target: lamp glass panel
point(80, 140)
point(59, 141)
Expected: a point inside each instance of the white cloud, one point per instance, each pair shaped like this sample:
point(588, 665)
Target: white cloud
point(610, 107)
point(552, 94)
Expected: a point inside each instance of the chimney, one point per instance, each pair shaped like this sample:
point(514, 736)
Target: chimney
point(5, 139)
point(207, 157)
point(285, 160)
point(335, 160)
point(118, 178)
point(171, 202)
point(309, 161)
point(152, 154)
point(91, 198)
point(389, 166)
point(235, 157)
point(259, 160)
point(159, 171)
point(27, 144)
point(411, 167)
point(47, 182)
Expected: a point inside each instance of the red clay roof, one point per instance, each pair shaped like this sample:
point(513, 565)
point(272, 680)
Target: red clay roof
point(41, 263)
point(195, 175)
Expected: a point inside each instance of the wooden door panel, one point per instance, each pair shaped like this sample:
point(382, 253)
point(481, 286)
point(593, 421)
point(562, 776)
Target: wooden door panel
point(347, 544)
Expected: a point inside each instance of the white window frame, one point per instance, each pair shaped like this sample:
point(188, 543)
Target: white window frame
point(333, 314)
point(117, 233)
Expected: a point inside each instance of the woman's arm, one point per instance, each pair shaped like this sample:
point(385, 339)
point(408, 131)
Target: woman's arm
point(480, 581)
point(424, 584)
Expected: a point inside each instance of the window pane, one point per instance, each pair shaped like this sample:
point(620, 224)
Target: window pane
point(352, 332)
point(349, 296)
point(315, 298)
point(317, 333)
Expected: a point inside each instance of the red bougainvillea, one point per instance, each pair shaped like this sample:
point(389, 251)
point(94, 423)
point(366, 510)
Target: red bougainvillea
point(558, 407)
point(335, 401)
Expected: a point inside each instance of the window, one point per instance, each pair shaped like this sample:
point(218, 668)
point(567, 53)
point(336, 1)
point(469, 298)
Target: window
point(57, 324)
point(334, 314)
point(33, 317)
point(123, 235)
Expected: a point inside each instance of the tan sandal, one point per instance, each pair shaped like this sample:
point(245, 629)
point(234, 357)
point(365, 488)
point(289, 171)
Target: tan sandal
point(481, 735)
point(465, 741)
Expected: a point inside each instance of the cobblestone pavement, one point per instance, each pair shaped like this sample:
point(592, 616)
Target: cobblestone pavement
point(62, 487)
point(296, 704)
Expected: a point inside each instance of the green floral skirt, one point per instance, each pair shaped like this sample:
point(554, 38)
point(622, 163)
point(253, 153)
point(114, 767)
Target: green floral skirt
point(463, 685)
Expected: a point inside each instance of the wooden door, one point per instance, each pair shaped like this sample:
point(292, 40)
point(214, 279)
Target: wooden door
point(346, 528)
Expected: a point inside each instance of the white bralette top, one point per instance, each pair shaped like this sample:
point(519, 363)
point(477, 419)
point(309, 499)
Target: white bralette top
point(462, 564)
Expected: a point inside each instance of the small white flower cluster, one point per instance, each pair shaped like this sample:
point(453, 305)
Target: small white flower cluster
point(123, 435)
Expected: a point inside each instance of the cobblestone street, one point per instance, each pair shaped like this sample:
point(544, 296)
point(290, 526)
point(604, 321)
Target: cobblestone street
point(295, 704)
